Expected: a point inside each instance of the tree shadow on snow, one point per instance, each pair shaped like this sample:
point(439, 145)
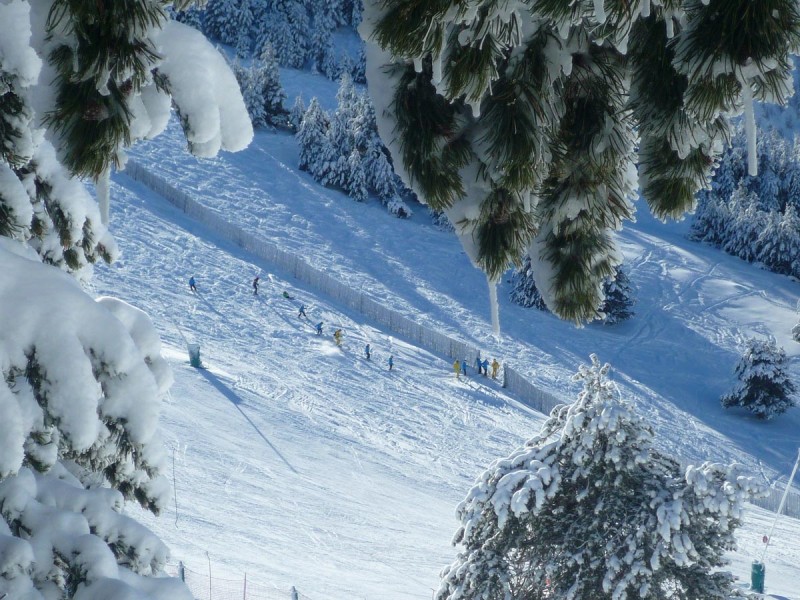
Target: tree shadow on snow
point(237, 402)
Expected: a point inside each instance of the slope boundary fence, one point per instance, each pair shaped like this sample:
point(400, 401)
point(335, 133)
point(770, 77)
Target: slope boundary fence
point(433, 341)
point(211, 587)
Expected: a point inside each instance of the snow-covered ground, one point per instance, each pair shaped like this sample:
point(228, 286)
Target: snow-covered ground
point(303, 464)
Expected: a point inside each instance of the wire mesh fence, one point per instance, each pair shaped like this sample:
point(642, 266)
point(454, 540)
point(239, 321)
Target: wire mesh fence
point(425, 337)
point(209, 586)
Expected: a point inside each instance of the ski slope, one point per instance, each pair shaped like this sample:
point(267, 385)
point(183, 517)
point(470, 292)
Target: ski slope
point(303, 464)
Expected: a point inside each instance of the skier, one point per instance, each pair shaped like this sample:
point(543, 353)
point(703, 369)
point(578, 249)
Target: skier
point(192, 284)
point(391, 362)
point(319, 328)
point(302, 312)
point(337, 337)
point(464, 367)
point(287, 295)
point(495, 366)
point(485, 365)
point(367, 351)
point(255, 286)
point(457, 369)
point(478, 363)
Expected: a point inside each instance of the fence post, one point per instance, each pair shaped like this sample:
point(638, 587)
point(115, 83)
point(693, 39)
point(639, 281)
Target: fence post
point(181, 572)
point(244, 591)
point(294, 595)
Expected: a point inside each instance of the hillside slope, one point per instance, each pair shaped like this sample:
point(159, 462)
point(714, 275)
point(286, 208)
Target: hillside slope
point(304, 465)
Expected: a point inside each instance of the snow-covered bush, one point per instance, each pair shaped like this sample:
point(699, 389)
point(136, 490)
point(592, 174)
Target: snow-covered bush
point(589, 509)
point(764, 386)
point(82, 383)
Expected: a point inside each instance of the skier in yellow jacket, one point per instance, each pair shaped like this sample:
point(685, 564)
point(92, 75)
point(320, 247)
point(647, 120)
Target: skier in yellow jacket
point(457, 368)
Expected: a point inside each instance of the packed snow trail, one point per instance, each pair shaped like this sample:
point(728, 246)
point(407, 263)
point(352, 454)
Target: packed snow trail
point(290, 451)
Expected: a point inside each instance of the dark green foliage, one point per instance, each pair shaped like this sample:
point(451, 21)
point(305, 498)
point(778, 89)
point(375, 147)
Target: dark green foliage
point(94, 125)
point(558, 104)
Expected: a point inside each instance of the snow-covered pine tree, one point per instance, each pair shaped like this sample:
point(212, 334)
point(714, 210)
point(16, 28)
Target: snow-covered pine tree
point(355, 180)
point(268, 78)
point(321, 52)
point(219, 20)
point(191, 16)
point(312, 139)
point(764, 386)
point(252, 92)
point(243, 27)
point(287, 30)
point(796, 332)
point(523, 287)
point(590, 509)
point(540, 102)
point(620, 297)
point(82, 379)
point(297, 112)
point(742, 233)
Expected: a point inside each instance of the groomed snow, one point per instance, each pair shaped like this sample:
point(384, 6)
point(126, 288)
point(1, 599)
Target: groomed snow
point(304, 465)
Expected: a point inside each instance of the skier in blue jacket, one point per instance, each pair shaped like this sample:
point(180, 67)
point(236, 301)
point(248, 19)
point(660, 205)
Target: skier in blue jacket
point(367, 351)
point(319, 328)
point(192, 284)
point(391, 362)
point(464, 367)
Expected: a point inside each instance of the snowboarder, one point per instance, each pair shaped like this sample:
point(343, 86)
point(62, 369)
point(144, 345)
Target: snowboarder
point(319, 328)
point(391, 362)
point(485, 365)
point(192, 284)
point(255, 286)
point(287, 295)
point(367, 351)
point(464, 367)
point(457, 369)
point(495, 366)
point(302, 313)
point(337, 337)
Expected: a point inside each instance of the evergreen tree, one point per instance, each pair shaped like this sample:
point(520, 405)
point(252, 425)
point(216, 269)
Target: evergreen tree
point(312, 139)
point(191, 16)
point(219, 21)
point(355, 182)
point(764, 386)
point(243, 28)
point(541, 100)
point(268, 79)
point(619, 297)
point(523, 287)
point(297, 112)
point(288, 32)
point(590, 509)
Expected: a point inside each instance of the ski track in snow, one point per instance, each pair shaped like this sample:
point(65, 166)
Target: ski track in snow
point(291, 452)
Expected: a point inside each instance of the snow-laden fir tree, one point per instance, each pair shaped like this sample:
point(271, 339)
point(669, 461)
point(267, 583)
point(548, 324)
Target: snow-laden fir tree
point(82, 379)
point(297, 112)
point(355, 182)
point(243, 27)
point(528, 121)
point(287, 29)
point(589, 509)
point(764, 386)
point(219, 20)
point(619, 297)
point(523, 287)
point(312, 139)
